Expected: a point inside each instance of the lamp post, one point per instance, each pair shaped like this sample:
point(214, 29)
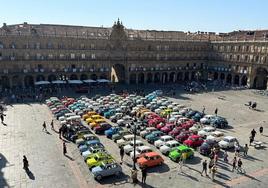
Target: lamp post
point(134, 174)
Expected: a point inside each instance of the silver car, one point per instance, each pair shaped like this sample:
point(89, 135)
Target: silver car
point(105, 170)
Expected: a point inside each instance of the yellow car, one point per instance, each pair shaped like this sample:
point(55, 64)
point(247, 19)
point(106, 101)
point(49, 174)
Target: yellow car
point(142, 111)
point(93, 118)
point(96, 123)
point(166, 112)
point(88, 115)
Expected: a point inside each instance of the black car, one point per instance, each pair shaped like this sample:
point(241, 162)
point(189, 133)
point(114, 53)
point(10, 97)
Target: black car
point(205, 148)
point(102, 127)
point(219, 122)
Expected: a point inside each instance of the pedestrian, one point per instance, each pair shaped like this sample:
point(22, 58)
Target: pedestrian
point(214, 170)
point(239, 166)
point(181, 162)
point(246, 150)
point(64, 148)
point(237, 149)
point(216, 157)
point(203, 111)
point(60, 131)
point(204, 164)
point(261, 130)
point(143, 174)
point(216, 111)
point(210, 165)
point(225, 156)
point(253, 133)
point(2, 118)
point(122, 153)
point(44, 126)
point(251, 139)
point(25, 163)
point(234, 164)
point(52, 125)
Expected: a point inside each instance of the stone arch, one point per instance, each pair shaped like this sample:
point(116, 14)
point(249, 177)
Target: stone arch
point(186, 76)
point(118, 71)
point(179, 76)
point(5, 82)
point(140, 78)
point(16, 81)
point(52, 77)
point(164, 77)
point(93, 77)
point(73, 77)
point(260, 80)
point(149, 78)
point(40, 78)
point(83, 77)
point(236, 80)
point(244, 80)
point(222, 76)
point(157, 77)
point(216, 76)
point(28, 81)
point(172, 77)
point(132, 78)
point(229, 79)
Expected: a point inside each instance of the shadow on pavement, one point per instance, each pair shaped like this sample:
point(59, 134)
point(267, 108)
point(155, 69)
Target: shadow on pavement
point(3, 164)
point(251, 177)
point(144, 185)
point(159, 169)
point(195, 160)
point(250, 158)
point(115, 180)
point(30, 174)
point(69, 157)
point(221, 183)
point(188, 176)
point(223, 176)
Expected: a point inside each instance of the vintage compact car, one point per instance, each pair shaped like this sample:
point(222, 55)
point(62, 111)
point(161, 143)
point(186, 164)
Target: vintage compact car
point(193, 141)
point(113, 130)
point(227, 142)
point(92, 150)
point(87, 144)
point(215, 135)
point(130, 147)
point(167, 128)
point(176, 153)
point(96, 123)
point(219, 122)
point(184, 135)
point(206, 131)
point(140, 151)
point(119, 135)
point(207, 119)
point(150, 159)
point(104, 170)
point(155, 135)
point(101, 128)
point(162, 140)
point(125, 140)
point(168, 146)
point(89, 114)
point(97, 159)
point(147, 131)
point(205, 148)
point(93, 118)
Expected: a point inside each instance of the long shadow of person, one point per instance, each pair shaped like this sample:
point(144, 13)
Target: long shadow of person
point(30, 174)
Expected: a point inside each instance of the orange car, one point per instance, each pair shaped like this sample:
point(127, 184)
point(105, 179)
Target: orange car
point(150, 159)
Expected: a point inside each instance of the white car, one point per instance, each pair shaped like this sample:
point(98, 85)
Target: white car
point(227, 142)
point(196, 127)
point(168, 146)
point(215, 135)
point(147, 131)
point(162, 140)
point(207, 119)
point(140, 151)
point(125, 140)
point(206, 131)
point(130, 147)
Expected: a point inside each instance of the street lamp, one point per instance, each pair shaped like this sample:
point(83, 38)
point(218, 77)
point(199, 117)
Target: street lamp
point(134, 159)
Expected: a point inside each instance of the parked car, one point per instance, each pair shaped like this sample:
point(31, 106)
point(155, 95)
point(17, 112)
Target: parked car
point(147, 131)
point(206, 131)
point(207, 119)
point(162, 140)
point(119, 135)
point(130, 147)
point(215, 135)
point(97, 159)
point(150, 159)
point(102, 128)
point(168, 146)
point(205, 148)
point(155, 135)
point(125, 140)
point(105, 170)
point(87, 144)
point(113, 130)
point(140, 151)
point(184, 135)
point(193, 141)
point(92, 150)
point(227, 142)
point(219, 122)
point(176, 153)
point(167, 128)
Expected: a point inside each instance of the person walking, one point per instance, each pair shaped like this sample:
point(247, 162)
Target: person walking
point(214, 170)
point(237, 149)
point(261, 130)
point(204, 165)
point(234, 164)
point(2, 118)
point(225, 156)
point(203, 110)
point(25, 163)
point(251, 139)
point(216, 111)
point(44, 127)
point(210, 165)
point(239, 166)
point(60, 131)
point(246, 150)
point(143, 174)
point(181, 162)
point(122, 153)
point(253, 133)
point(52, 125)
point(64, 148)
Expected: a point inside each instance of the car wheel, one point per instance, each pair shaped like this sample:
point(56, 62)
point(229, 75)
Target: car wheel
point(98, 177)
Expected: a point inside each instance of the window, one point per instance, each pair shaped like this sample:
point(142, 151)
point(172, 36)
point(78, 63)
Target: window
point(27, 56)
point(38, 56)
point(37, 46)
point(158, 47)
point(13, 46)
point(0, 55)
point(230, 57)
point(61, 56)
point(1, 45)
point(73, 66)
point(60, 46)
point(72, 55)
point(157, 57)
point(257, 58)
point(83, 56)
point(93, 56)
point(49, 45)
point(246, 58)
point(166, 47)
point(50, 56)
point(92, 46)
point(82, 46)
point(187, 65)
point(237, 57)
point(247, 48)
point(39, 66)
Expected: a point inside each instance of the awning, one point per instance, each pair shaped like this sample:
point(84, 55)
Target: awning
point(89, 81)
point(103, 81)
point(58, 82)
point(41, 83)
point(75, 82)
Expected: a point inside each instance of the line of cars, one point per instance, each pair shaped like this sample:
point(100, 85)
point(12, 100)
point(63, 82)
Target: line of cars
point(98, 160)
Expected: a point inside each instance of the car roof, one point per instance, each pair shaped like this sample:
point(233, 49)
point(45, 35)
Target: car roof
point(166, 136)
point(182, 147)
point(152, 154)
point(195, 136)
point(144, 147)
point(229, 137)
point(172, 142)
point(129, 136)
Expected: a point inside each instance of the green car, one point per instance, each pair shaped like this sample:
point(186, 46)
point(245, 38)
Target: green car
point(176, 153)
point(96, 159)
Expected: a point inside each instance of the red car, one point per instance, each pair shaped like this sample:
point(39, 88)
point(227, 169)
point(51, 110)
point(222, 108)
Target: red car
point(101, 128)
point(160, 125)
point(167, 128)
point(187, 124)
point(183, 136)
point(194, 141)
point(155, 121)
point(176, 131)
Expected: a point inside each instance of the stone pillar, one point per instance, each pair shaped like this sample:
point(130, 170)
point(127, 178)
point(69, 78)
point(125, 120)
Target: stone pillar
point(137, 78)
point(233, 78)
point(145, 78)
point(174, 78)
point(163, 76)
point(152, 78)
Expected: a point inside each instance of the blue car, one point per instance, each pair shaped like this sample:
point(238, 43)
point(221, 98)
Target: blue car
point(155, 135)
point(90, 143)
point(113, 130)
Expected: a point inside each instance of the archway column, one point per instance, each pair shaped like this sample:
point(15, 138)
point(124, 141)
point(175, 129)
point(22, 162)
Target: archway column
point(137, 78)
point(174, 77)
point(152, 77)
point(145, 78)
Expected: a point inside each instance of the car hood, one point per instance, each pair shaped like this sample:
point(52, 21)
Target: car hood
point(86, 153)
point(222, 142)
point(91, 161)
point(174, 153)
point(188, 142)
point(96, 169)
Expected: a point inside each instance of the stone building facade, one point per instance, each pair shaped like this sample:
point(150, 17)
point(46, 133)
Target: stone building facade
point(31, 53)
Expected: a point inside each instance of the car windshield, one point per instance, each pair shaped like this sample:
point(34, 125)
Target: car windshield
point(226, 140)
